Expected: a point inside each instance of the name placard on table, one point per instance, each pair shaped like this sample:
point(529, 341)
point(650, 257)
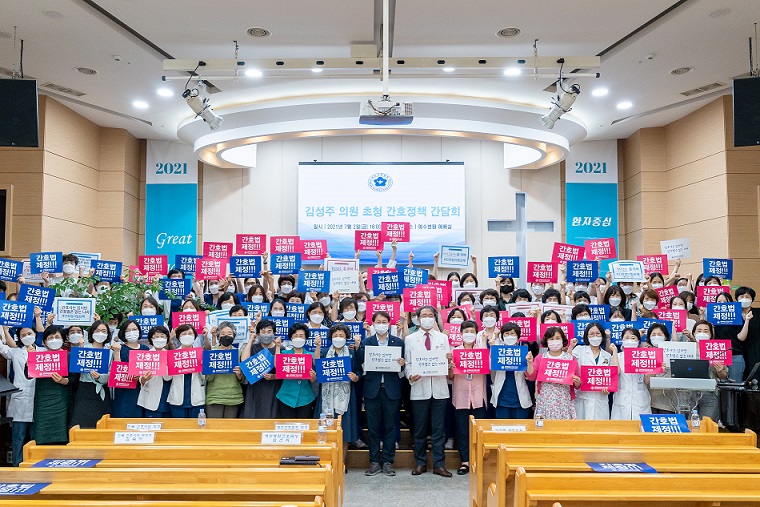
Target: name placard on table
point(144, 426)
point(280, 438)
point(292, 426)
point(134, 437)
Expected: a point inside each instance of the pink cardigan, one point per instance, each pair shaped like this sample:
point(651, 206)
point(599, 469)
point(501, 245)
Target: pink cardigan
point(537, 366)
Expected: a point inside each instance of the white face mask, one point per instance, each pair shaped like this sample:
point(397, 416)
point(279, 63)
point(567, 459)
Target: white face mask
point(159, 343)
point(186, 339)
point(701, 336)
point(381, 328)
point(69, 269)
point(230, 288)
point(349, 315)
point(583, 317)
point(554, 345)
point(112, 328)
point(213, 289)
point(627, 289)
point(454, 284)
point(615, 301)
point(509, 339)
point(415, 321)
point(537, 289)
point(595, 340)
point(649, 304)
point(286, 289)
point(656, 285)
point(550, 321)
point(316, 318)
point(469, 285)
point(746, 302)
point(278, 313)
point(456, 320)
point(630, 344)
point(75, 337)
point(325, 301)
point(257, 298)
point(657, 339)
point(682, 288)
point(28, 339)
point(678, 307)
point(227, 306)
point(148, 311)
point(54, 343)
point(427, 322)
point(617, 319)
point(338, 343)
point(189, 309)
point(100, 337)
point(132, 336)
point(689, 306)
point(248, 287)
point(469, 337)
point(298, 343)
point(489, 302)
point(489, 322)
point(581, 288)
point(361, 306)
point(466, 302)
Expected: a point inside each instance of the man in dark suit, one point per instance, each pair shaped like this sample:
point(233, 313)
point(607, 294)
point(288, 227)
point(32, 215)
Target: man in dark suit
point(382, 397)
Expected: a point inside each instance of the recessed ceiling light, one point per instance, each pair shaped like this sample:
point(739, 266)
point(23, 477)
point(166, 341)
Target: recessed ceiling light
point(720, 13)
point(253, 73)
point(512, 71)
point(449, 69)
point(139, 104)
point(52, 14)
point(508, 32)
point(316, 70)
point(165, 92)
point(257, 31)
point(86, 71)
point(599, 92)
point(681, 70)
point(625, 105)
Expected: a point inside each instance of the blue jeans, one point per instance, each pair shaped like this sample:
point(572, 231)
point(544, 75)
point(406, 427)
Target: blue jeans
point(154, 414)
point(179, 412)
point(19, 433)
point(512, 413)
point(736, 370)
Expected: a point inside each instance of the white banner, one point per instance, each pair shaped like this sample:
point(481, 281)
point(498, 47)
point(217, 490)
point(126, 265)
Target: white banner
point(430, 363)
point(377, 358)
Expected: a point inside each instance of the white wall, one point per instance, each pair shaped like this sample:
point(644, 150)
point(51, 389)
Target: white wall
point(263, 199)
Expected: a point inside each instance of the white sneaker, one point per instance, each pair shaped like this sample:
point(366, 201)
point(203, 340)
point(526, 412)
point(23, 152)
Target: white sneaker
point(449, 445)
point(396, 445)
point(360, 444)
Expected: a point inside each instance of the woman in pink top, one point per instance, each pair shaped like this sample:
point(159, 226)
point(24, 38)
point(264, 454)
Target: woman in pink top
point(468, 394)
point(555, 401)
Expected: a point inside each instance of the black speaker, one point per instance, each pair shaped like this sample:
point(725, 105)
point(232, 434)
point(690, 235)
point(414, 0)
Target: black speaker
point(19, 120)
point(747, 111)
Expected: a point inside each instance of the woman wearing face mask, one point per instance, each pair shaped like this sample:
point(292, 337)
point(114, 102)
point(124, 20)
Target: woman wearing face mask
point(469, 281)
point(510, 395)
point(580, 312)
point(21, 403)
point(227, 301)
point(277, 308)
point(677, 303)
point(554, 400)
point(286, 283)
point(361, 305)
point(490, 297)
point(260, 398)
point(224, 395)
point(692, 312)
point(632, 397)
point(748, 337)
point(296, 397)
point(186, 394)
point(505, 287)
point(256, 294)
point(521, 296)
point(656, 280)
point(347, 311)
point(51, 399)
point(214, 289)
point(617, 314)
point(456, 316)
point(149, 307)
point(656, 335)
point(489, 315)
point(154, 390)
point(537, 289)
point(630, 291)
point(74, 337)
point(590, 405)
point(315, 313)
point(465, 299)
point(454, 278)
point(709, 403)
point(550, 317)
point(649, 301)
point(125, 400)
point(615, 296)
point(93, 398)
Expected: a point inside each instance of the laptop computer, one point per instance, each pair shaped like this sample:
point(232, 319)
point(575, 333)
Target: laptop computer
point(753, 374)
point(690, 368)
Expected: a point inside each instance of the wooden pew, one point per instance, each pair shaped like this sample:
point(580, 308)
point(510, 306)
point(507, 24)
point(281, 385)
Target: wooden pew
point(542, 489)
point(108, 422)
point(13, 502)
point(664, 460)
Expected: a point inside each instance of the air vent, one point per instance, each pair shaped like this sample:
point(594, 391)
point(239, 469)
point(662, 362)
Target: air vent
point(506, 33)
point(681, 71)
point(257, 31)
point(62, 89)
point(86, 70)
point(703, 89)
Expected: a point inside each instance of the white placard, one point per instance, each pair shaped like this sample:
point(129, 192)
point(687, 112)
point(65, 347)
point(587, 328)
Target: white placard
point(453, 256)
point(73, 311)
point(213, 318)
point(241, 327)
point(564, 311)
point(525, 308)
point(134, 437)
point(292, 426)
point(627, 271)
point(85, 258)
point(676, 248)
point(341, 265)
point(378, 358)
point(144, 426)
point(430, 363)
point(27, 273)
point(475, 293)
point(344, 281)
point(509, 428)
point(678, 350)
point(280, 438)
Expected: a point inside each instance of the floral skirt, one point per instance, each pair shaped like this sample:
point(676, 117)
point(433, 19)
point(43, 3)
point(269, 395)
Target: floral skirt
point(555, 401)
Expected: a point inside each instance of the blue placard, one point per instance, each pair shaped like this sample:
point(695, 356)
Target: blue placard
point(296, 311)
point(66, 463)
point(580, 328)
point(643, 325)
point(616, 330)
point(725, 314)
point(245, 266)
point(504, 266)
point(636, 468)
point(411, 277)
point(333, 369)
point(10, 270)
point(45, 262)
point(311, 341)
point(22, 488)
point(357, 328)
point(582, 271)
point(313, 281)
point(106, 271)
point(186, 262)
point(282, 325)
point(599, 313)
point(509, 358)
point(257, 365)
point(146, 322)
point(219, 361)
point(285, 263)
point(37, 296)
point(664, 423)
point(16, 313)
point(178, 287)
point(722, 268)
point(254, 308)
point(387, 283)
point(85, 360)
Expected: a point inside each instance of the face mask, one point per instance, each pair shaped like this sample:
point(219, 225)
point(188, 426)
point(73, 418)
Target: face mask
point(148, 310)
point(381, 328)
point(617, 319)
point(657, 285)
point(657, 339)
point(456, 320)
point(341, 298)
point(466, 302)
point(615, 301)
point(682, 288)
point(678, 307)
point(630, 344)
point(28, 339)
point(286, 289)
point(230, 288)
point(298, 342)
point(689, 306)
point(159, 343)
point(489, 302)
point(489, 321)
point(746, 302)
point(554, 345)
point(469, 285)
point(257, 298)
point(509, 339)
point(68, 269)
point(454, 284)
point(415, 321)
point(627, 289)
point(54, 343)
point(701, 336)
point(427, 322)
point(537, 290)
point(75, 337)
point(469, 337)
point(226, 340)
point(583, 317)
point(506, 289)
point(102, 289)
point(550, 321)
point(227, 306)
point(112, 329)
point(248, 287)
point(581, 288)
point(213, 289)
point(361, 306)
point(349, 315)
point(278, 313)
point(325, 301)
point(187, 339)
point(649, 304)
point(338, 343)
point(316, 318)
point(595, 340)
point(266, 339)
point(132, 336)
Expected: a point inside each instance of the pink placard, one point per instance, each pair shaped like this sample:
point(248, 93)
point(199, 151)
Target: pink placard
point(455, 333)
point(217, 250)
point(716, 351)
point(44, 363)
point(442, 288)
point(195, 319)
point(556, 371)
point(250, 244)
point(184, 361)
point(643, 360)
point(395, 230)
point(471, 362)
point(527, 327)
point(418, 297)
point(313, 249)
point(567, 327)
point(283, 244)
point(598, 249)
point(372, 271)
point(147, 361)
point(597, 378)
point(393, 308)
point(151, 265)
point(654, 263)
point(708, 293)
point(666, 294)
point(678, 317)
point(542, 272)
point(210, 269)
point(119, 376)
point(293, 366)
point(564, 252)
point(367, 240)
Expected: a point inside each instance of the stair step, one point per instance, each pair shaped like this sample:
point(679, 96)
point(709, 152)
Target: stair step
point(359, 459)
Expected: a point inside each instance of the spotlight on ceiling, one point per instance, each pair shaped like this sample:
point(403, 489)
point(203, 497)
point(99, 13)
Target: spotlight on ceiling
point(560, 104)
point(201, 106)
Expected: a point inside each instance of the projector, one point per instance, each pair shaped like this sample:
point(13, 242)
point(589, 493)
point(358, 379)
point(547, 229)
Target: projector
point(385, 112)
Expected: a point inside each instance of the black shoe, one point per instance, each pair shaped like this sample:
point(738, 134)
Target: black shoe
point(388, 470)
point(419, 470)
point(373, 469)
point(463, 470)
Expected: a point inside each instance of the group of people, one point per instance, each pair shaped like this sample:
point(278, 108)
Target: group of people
point(436, 407)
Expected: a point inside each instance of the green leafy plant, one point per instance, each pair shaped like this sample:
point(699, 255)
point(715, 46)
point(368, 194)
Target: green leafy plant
point(124, 298)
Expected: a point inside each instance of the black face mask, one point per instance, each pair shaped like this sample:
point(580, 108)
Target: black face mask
point(226, 341)
point(507, 289)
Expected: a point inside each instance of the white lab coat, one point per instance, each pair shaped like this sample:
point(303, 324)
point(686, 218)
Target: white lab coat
point(426, 388)
point(21, 404)
point(589, 404)
point(498, 378)
point(632, 397)
point(177, 390)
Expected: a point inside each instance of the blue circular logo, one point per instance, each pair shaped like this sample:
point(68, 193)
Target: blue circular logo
point(380, 182)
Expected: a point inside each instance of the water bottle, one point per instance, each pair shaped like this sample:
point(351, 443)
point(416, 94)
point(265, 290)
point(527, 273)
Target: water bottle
point(322, 421)
point(539, 417)
point(201, 420)
point(694, 419)
point(330, 417)
point(322, 434)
